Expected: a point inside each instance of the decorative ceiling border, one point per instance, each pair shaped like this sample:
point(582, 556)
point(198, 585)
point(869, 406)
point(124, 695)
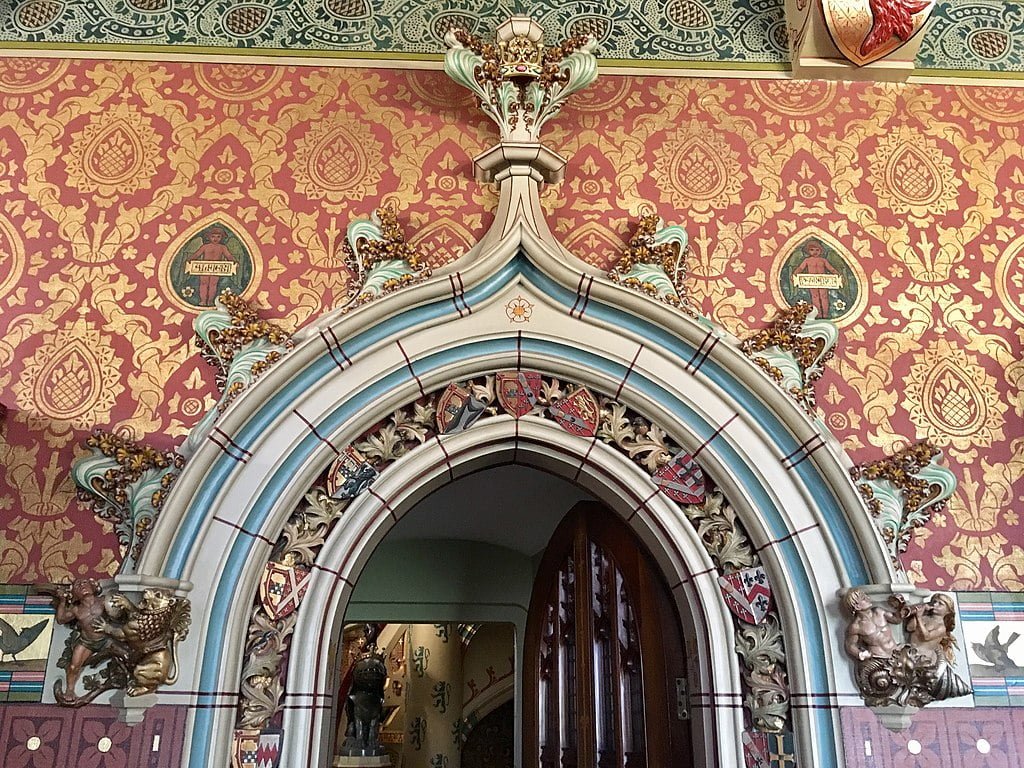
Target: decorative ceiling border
point(967, 39)
point(364, 59)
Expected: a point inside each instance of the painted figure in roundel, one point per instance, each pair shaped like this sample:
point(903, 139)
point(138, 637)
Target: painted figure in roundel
point(814, 272)
point(210, 261)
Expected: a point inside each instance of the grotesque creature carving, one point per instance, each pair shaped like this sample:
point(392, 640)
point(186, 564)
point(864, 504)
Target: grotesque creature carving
point(913, 673)
point(138, 641)
point(364, 705)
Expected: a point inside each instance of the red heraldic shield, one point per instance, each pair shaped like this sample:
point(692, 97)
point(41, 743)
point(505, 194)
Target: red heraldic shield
point(681, 479)
point(518, 391)
point(747, 593)
point(282, 588)
point(457, 410)
point(755, 750)
point(577, 412)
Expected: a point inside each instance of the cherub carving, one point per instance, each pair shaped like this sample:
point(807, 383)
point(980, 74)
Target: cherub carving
point(138, 641)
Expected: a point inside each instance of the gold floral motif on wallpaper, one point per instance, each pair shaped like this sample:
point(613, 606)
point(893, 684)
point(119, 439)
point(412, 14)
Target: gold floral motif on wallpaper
point(905, 202)
point(954, 401)
point(71, 381)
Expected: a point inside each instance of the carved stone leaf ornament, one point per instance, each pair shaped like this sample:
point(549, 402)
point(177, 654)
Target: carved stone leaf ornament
point(654, 263)
point(793, 351)
point(380, 257)
point(903, 491)
point(241, 346)
point(126, 483)
point(520, 83)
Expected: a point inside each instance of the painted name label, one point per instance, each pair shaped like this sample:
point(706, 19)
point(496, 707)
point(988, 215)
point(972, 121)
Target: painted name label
point(220, 268)
point(817, 281)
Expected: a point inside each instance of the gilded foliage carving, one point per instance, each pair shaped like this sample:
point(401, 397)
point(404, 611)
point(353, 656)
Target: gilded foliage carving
point(79, 272)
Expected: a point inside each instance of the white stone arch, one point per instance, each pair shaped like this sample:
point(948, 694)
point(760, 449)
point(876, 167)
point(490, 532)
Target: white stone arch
point(237, 491)
point(607, 475)
point(785, 474)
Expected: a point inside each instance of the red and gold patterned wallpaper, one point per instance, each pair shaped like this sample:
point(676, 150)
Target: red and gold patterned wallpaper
point(897, 210)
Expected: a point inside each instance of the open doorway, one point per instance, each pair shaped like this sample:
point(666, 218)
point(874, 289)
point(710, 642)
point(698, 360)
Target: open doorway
point(454, 590)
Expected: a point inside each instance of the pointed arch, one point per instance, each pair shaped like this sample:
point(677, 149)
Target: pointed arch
point(786, 476)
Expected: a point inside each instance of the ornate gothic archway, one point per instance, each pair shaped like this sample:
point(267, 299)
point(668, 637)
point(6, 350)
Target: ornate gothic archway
point(668, 392)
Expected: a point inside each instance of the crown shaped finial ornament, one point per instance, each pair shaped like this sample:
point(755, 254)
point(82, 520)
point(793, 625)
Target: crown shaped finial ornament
point(520, 83)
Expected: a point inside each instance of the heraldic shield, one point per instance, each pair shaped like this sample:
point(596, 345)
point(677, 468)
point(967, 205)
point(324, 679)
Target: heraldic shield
point(577, 413)
point(256, 749)
point(755, 750)
point(349, 475)
point(518, 391)
point(682, 479)
point(282, 588)
point(457, 410)
point(747, 593)
point(868, 30)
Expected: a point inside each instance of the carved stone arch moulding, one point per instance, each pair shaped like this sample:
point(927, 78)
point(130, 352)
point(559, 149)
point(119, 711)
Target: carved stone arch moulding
point(712, 447)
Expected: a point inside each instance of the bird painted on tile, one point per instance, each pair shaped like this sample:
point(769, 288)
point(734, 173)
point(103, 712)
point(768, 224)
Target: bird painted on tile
point(891, 18)
point(13, 642)
point(995, 652)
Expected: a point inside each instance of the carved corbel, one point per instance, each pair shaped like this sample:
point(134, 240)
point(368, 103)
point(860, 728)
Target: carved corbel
point(793, 350)
point(903, 491)
point(135, 642)
point(903, 651)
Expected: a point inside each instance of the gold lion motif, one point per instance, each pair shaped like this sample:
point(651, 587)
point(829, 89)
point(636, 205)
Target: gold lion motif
point(138, 641)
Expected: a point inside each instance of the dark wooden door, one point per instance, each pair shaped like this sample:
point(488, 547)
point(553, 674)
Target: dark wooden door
point(603, 653)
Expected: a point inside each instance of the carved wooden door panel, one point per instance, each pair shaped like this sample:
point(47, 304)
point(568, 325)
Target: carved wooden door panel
point(603, 653)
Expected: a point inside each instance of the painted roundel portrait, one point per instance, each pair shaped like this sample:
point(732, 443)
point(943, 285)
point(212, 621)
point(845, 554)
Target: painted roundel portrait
point(811, 268)
point(207, 260)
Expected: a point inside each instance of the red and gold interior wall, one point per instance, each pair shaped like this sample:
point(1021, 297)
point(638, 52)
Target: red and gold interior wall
point(897, 210)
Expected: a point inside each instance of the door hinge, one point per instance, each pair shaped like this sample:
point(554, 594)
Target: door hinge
point(682, 699)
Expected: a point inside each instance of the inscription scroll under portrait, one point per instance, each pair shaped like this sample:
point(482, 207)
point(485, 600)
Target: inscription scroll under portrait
point(811, 267)
point(210, 257)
